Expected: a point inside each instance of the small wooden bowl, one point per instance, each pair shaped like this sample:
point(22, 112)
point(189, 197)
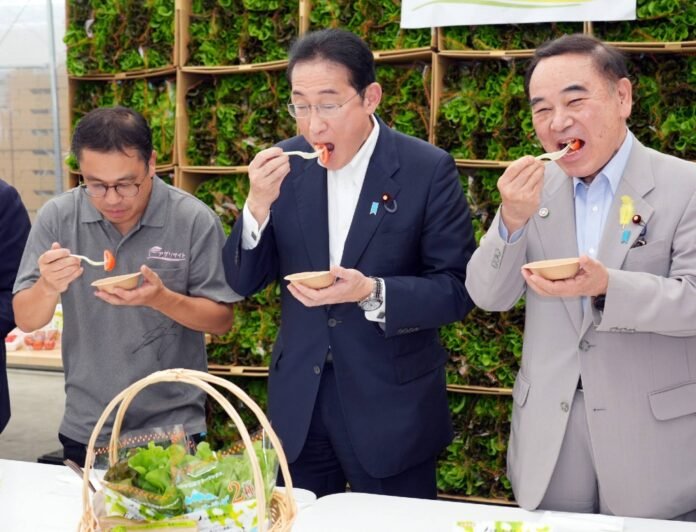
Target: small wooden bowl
point(127, 282)
point(555, 269)
point(314, 280)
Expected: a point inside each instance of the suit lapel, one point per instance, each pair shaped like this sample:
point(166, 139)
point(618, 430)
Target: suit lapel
point(636, 181)
point(378, 181)
point(312, 210)
point(557, 230)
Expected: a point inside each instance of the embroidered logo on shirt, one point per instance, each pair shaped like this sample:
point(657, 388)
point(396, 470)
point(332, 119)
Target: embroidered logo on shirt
point(158, 253)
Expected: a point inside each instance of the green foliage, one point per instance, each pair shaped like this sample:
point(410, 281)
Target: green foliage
point(484, 113)
point(504, 37)
point(664, 108)
point(154, 98)
point(485, 349)
point(256, 319)
point(233, 117)
point(474, 463)
point(107, 36)
point(376, 21)
point(405, 102)
point(234, 32)
point(657, 20)
point(221, 429)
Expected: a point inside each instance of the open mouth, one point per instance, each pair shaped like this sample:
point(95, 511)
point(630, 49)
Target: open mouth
point(574, 144)
point(325, 151)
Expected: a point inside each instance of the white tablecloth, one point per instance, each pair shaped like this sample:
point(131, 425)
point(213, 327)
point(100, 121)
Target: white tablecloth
point(47, 498)
point(358, 512)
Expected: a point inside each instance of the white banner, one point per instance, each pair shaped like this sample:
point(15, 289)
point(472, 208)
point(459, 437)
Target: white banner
point(434, 13)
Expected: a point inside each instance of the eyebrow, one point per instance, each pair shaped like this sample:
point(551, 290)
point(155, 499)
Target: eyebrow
point(101, 181)
point(324, 91)
point(570, 88)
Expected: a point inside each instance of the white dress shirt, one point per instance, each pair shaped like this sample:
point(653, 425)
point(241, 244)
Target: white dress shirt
point(343, 190)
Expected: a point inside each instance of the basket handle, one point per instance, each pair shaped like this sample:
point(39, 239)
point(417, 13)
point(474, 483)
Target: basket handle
point(202, 380)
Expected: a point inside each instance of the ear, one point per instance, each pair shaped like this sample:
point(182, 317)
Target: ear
point(624, 90)
point(151, 164)
point(373, 95)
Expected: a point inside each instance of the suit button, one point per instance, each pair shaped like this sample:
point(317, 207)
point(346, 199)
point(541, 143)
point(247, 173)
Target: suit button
point(332, 322)
point(584, 345)
point(564, 406)
point(317, 370)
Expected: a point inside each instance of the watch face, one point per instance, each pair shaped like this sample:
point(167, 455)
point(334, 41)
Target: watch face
point(370, 304)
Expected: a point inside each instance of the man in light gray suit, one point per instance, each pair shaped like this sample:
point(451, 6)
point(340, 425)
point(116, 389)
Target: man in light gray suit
point(604, 414)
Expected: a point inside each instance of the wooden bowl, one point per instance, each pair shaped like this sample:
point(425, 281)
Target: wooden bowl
point(127, 282)
point(555, 269)
point(314, 280)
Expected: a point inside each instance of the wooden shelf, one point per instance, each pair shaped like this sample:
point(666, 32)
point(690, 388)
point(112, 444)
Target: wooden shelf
point(43, 359)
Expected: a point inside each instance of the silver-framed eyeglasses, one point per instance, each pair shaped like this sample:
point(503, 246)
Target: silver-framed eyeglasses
point(324, 110)
point(99, 190)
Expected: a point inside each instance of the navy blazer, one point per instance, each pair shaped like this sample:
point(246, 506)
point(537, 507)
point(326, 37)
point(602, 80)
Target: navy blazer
point(391, 381)
point(14, 230)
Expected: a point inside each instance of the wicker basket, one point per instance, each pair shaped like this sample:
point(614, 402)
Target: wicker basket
point(282, 506)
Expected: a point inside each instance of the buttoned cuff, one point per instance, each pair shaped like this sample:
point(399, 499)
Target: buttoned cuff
point(251, 232)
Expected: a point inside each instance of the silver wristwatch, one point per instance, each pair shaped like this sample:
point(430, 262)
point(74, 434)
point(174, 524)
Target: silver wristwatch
point(375, 299)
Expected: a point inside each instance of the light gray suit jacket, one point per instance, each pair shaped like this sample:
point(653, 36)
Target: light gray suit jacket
point(637, 358)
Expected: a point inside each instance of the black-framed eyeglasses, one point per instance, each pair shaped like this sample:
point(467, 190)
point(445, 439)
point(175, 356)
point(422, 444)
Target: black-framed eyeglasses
point(324, 110)
point(99, 190)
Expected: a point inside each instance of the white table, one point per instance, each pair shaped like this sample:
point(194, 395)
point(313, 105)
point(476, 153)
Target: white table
point(48, 498)
point(359, 512)
point(39, 497)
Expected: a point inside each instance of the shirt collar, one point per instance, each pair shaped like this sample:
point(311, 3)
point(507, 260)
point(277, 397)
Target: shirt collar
point(614, 169)
point(155, 213)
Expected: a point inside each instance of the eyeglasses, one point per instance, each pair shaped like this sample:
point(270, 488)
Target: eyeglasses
point(125, 190)
point(324, 110)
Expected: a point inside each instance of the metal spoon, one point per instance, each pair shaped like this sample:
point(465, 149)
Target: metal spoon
point(79, 471)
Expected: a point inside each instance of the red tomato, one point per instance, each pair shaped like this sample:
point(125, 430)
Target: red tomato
point(109, 260)
point(324, 155)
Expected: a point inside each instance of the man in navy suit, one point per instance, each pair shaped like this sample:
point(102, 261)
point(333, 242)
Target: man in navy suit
point(357, 388)
point(14, 230)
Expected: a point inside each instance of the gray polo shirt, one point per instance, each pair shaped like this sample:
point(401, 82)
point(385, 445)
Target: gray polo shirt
point(105, 348)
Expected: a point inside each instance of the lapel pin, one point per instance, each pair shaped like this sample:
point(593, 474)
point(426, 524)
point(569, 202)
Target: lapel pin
point(373, 208)
point(543, 212)
point(640, 241)
point(389, 203)
point(626, 215)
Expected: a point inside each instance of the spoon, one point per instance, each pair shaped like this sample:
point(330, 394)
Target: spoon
point(554, 155)
point(79, 471)
point(89, 261)
point(304, 154)
point(109, 261)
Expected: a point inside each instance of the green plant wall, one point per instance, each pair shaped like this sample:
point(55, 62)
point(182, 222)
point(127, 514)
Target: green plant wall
point(232, 117)
point(154, 98)
point(483, 116)
point(118, 36)
point(235, 32)
point(504, 37)
point(376, 21)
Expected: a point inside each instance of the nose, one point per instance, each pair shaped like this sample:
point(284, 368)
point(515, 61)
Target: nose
point(317, 124)
point(561, 120)
point(112, 197)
